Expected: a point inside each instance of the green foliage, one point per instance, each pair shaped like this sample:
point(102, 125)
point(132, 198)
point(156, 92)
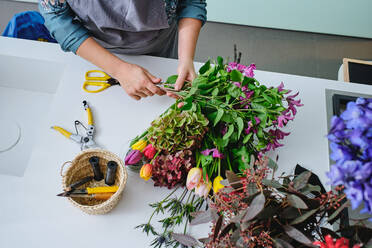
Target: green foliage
point(177, 130)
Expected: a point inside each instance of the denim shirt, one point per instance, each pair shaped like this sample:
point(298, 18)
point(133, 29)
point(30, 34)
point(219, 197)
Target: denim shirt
point(70, 29)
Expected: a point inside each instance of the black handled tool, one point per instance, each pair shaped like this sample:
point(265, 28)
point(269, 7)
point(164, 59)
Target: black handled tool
point(94, 161)
point(111, 172)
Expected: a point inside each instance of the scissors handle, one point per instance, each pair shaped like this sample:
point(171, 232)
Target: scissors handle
point(102, 87)
point(103, 76)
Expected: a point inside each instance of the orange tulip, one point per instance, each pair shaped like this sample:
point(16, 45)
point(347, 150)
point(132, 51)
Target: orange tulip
point(146, 172)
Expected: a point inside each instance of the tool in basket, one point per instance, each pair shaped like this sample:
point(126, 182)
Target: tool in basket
point(85, 141)
point(90, 191)
point(101, 196)
point(98, 80)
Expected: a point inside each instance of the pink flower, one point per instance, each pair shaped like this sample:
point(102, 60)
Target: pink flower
point(193, 178)
point(280, 87)
point(215, 154)
point(149, 151)
point(249, 71)
point(279, 134)
point(283, 119)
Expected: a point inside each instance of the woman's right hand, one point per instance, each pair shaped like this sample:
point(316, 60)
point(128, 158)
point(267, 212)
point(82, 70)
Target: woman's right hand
point(138, 82)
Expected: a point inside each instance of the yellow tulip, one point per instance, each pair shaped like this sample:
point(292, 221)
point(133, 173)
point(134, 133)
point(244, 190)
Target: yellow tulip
point(139, 145)
point(217, 185)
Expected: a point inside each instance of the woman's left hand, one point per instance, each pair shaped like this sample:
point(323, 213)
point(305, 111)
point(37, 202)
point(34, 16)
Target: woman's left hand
point(186, 72)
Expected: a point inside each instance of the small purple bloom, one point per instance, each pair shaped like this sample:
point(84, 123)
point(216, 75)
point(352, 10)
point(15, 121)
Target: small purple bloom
point(133, 157)
point(364, 172)
point(357, 139)
point(280, 87)
point(336, 175)
point(249, 71)
point(215, 153)
point(368, 197)
point(355, 194)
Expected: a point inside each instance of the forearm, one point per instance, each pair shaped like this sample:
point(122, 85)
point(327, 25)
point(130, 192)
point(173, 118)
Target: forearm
point(99, 56)
point(188, 33)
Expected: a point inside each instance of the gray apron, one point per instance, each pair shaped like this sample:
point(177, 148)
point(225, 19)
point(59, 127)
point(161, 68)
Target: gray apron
point(129, 26)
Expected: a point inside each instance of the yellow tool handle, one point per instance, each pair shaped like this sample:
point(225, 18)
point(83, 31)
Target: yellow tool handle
point(105, 77)
point(103, 196)
point(90, 116)
point(64, 132)
point(87, 84)
point(111, 189)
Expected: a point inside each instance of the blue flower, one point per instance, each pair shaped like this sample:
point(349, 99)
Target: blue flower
point(355, 194)
point(357, 138)
point(340, 153)
point(354, 116)
point(367, 198)
point(364, 173)
point(336, 175)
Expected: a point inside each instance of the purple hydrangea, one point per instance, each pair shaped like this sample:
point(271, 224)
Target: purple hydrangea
point(350, 139)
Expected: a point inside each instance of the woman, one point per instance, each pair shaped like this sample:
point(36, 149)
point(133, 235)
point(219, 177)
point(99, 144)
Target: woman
point(95, 29)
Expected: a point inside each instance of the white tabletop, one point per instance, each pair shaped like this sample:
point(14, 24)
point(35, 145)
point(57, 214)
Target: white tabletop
point(32, 216)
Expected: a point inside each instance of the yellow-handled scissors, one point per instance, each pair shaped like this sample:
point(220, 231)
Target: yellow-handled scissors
point(100, 79)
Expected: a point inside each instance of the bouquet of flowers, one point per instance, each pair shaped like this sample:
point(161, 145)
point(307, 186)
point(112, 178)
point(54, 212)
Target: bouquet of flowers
point(224, 120)
point(351, 144)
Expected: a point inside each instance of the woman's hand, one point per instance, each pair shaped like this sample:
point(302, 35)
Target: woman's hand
point(186, 72)
point(138, 82)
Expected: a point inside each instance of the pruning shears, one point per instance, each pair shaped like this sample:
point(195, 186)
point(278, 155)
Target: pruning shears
point(99, 80)
point(85, 141)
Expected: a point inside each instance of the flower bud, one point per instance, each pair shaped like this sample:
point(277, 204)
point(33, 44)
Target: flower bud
point(139, 145)
point(133, 157)
point(193, 178)
point(217, 185)
point(146, 172)
point(149, 151)
point(203, 189)
point(180, 105)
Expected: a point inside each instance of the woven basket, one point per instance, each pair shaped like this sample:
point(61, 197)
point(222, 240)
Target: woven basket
point(80, 168)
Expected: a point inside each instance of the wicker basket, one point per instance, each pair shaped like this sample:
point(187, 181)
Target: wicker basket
point(80, 168)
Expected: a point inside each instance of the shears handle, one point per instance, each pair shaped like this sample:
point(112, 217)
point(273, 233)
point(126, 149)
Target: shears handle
point(89, 113)
point(64, 132)
point(87, 84)
point(89, 76)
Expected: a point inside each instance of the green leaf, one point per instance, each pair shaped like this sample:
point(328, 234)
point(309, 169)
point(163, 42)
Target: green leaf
point(172, 79)
point(338, 211)
point(256, 206)
point(234, 91)
point(272, 164)
point(296, 202)
point(229, 132)
point(215, 92)
point(236, 76)
point(205, 67)
point(271, 183)
point(247, 137)
point(239, 122)
point(301, 180)
point(297, 235)
point(303, 217)
point(192, 91)
point(220, 62)
point(218, 116)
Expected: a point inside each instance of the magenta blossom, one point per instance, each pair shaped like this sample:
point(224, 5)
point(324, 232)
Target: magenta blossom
point(283, 119)
point(279, 134)
point(215, 154)
point(247, 71)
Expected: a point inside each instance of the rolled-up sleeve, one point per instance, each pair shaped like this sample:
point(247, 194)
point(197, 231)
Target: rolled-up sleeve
point(192, 9)
point(59, 20)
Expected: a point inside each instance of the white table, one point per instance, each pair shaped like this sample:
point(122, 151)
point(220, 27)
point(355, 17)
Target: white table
point(30, 213)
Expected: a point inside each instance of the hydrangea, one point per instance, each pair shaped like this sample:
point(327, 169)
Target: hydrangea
point(350, 139)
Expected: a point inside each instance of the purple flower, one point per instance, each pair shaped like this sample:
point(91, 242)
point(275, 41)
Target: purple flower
point(364, 172)
point(354, 116)
point(336, 175)
point(249, 71)
point(215, 153)
point(223, 129)
point(133, 157)
point(279, 134)
point(340, 153)
point(355, 194)
point(368, 197)
point(337, 124)
point(357, 139)
point(367, 154)
point(283, 119)
point(280, 87)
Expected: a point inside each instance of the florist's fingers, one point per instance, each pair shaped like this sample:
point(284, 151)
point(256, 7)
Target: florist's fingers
point(171, 94)
point(180, 81)
point(147, 92)
point(155, 89)
point(154, 79)
point(135, 97)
